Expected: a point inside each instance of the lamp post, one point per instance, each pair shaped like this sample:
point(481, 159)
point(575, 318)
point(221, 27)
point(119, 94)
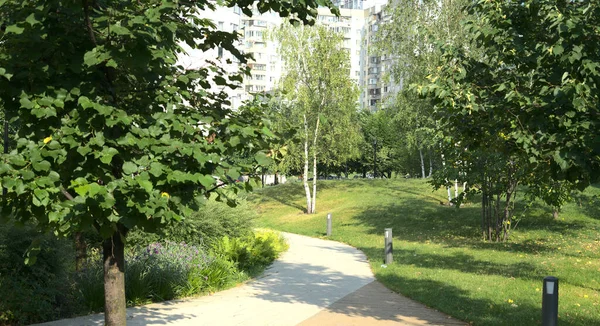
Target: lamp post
point(375, 158)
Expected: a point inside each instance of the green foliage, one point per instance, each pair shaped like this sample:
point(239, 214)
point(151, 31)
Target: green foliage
point(252, 252)
point(212, 222)
point(161, 271)
point(106, 115)
point(35, 293)
point(316, 87)
point(534, 90)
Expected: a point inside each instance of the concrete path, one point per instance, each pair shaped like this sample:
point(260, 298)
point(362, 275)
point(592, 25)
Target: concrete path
point(316, 282)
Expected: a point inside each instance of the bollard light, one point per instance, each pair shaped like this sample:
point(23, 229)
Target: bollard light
point(389, 247)
point(328, 224)
point(550, 301)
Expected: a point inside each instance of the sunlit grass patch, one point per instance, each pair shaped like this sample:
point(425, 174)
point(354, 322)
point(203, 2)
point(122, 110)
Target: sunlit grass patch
point(439, 258)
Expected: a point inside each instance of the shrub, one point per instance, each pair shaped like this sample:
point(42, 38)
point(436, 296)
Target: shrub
point(39, 292)
point(252, 253)
point(158, 272)
point(203, 228)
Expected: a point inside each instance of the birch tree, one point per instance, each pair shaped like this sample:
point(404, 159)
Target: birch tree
point(321, 94)
point(410, 37)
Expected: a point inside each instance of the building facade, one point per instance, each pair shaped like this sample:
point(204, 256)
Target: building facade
point(358, 22)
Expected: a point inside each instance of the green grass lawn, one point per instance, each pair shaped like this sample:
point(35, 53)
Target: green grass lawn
point(439, 258)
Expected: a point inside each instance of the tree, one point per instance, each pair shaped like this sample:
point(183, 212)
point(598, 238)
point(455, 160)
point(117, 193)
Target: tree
point(530, 95)
point(410, 37)
point(321, 95)
point(112, 133)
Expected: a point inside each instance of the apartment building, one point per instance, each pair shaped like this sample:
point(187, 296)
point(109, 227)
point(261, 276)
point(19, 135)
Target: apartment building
point(378, 85)
point(358, 22)
point(265, 65)
point(228, 20)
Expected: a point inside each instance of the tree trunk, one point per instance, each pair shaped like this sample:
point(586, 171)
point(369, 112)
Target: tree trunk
point(455, 188)
point(306, 187)
point(314, 199)
point(422, 163)
point(346, 170)
point(80, 250)
point(430, 166)
point(276, 179)
point(555, 213)
point(114, 280)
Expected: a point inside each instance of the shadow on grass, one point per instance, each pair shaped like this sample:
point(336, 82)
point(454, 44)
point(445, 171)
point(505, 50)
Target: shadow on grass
point(589, 204)
point(460, 303)
point(418, 220)
point(469, 264)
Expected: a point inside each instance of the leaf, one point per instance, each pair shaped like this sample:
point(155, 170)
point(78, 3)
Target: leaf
point(129, 168)
point(41, 166)
point(156, 169)
point(558, 49)
point(26, 103)
point(560, 160)
point(31, 20)
point(119, 30)
point(14, 29)
point(107, 154)
point(84, 102)
point(262, 159)
point(146, 184)
point(206, 181)
point(267, 132)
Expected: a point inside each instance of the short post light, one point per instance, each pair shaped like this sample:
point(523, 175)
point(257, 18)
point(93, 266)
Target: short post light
point(328, 224)
point(550, 301)
point(389, 247)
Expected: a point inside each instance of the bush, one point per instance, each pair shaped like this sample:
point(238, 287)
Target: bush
point(39, 292)
point(254, 252)
point(203, 228)
point(161, 271)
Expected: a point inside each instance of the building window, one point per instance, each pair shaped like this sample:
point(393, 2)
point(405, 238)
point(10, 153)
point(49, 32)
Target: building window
point(221, 25)
point(372, 81)
point(236, 10)
point(220, 52)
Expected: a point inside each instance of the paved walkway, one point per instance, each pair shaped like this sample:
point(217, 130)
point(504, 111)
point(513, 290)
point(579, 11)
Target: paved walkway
point(316, 282)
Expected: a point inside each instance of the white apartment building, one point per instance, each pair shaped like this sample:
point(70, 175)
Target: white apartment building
point(228, 20)
point(266, 65)
point(357, 25)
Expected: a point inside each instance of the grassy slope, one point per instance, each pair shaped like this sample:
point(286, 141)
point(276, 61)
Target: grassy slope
point(439, 258)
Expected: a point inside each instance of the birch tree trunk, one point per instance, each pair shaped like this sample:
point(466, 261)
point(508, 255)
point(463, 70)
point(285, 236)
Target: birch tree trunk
point(430, 166)
point(314, 199)
point(448, 188)
point(455, 188)
point(422, 163)
point(306, 187)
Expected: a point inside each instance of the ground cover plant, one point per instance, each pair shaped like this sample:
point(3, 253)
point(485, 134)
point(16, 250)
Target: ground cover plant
point(439, 257)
